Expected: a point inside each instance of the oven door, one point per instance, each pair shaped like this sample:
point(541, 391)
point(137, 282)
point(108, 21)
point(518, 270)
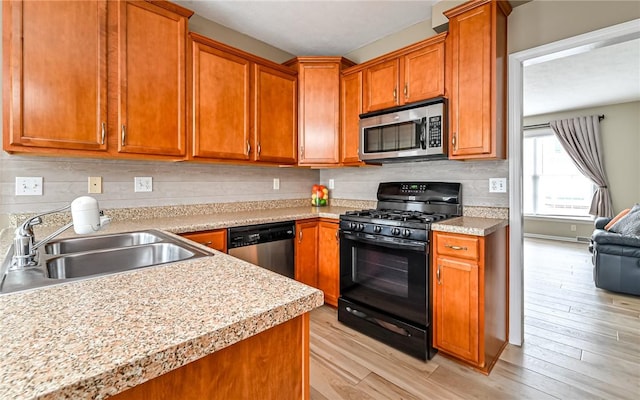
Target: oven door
point(388, 274)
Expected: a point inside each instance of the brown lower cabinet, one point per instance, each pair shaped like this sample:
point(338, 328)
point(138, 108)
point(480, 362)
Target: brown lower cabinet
point(273, 364)
point(215, 239)
point(470, 296)
point(317, 256)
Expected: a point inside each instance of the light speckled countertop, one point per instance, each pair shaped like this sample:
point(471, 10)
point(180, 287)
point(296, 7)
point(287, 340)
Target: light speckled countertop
point(470, 225)
point(97, 337)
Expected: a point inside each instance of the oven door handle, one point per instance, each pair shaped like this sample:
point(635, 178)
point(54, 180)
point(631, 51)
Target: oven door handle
point(413, 246)
point(383, 324)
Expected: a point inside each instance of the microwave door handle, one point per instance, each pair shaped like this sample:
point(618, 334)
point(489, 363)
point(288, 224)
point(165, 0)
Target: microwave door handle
point(423, 133)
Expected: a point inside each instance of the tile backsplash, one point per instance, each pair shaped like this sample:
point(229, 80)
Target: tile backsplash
point(173, 183)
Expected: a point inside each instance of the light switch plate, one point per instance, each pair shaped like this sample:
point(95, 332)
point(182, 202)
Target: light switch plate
point(143, 184)
point(332, 184)
point(29, 186)
point(276, 184)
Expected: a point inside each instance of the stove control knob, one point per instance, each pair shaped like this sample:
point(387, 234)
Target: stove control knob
point(406, 233)
point(360, 227)
point(352, 225)
point(395, 231)
point(377, 229)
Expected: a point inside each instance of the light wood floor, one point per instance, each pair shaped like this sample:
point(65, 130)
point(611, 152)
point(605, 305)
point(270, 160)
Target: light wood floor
point(580, 343)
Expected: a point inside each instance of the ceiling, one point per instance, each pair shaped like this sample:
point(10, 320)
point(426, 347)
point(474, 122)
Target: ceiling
point(607, 75)
point(602, 76)
point(302, 27)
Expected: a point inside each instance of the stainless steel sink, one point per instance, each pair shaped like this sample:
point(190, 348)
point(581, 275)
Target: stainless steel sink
point(76, 245)
point(114, 260)
point(74, 259)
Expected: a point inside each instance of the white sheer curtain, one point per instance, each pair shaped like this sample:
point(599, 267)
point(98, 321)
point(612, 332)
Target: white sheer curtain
point(580, 137)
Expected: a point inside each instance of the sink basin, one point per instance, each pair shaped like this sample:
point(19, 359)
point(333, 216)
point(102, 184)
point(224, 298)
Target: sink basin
point(73, 259)
point(115, 260)
point(82, 244)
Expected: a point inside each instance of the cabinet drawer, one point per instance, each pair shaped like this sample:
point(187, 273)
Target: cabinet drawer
point(461, 246)
point(216, 239)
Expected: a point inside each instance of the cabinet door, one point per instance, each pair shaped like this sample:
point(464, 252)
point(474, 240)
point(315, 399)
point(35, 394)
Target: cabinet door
point(381, 85)
point(275, 115)
point(306, 252)
point(329, 261)
point(424, 73)
point(55, 75)
point(319, 110)
point(216, 239)
point(351, 108)
point(220, 102)
point(151, 69)
point(456, 308)
point(477, 95)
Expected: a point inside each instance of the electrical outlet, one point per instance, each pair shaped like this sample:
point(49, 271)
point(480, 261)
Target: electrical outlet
point(276, 184)
point(29, 186)
point(332, 184)
point(573, 228)
point(143, 184)
point(95, 184)
point(497, 185)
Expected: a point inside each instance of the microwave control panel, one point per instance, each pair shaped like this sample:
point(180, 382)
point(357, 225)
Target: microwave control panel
point(435, 131)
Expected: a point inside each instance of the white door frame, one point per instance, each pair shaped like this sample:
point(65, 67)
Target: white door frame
point(517, 61)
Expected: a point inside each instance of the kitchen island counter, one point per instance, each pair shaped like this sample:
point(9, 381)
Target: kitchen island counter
point(98, 337)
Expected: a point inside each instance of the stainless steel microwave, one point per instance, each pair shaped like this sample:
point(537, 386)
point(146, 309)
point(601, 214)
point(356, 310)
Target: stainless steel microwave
point(407, 133)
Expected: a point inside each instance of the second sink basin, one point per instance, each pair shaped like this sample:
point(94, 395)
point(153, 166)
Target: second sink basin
point(90, 243)
point(78, 265)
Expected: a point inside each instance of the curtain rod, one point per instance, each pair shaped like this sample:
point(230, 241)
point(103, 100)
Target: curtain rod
point(547, 125)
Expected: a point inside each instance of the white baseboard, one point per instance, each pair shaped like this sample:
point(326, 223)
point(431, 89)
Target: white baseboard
point(560, 238)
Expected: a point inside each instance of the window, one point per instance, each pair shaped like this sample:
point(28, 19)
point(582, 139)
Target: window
point(553, 186)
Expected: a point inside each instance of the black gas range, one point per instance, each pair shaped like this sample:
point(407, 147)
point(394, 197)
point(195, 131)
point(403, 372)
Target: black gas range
point(384, 263)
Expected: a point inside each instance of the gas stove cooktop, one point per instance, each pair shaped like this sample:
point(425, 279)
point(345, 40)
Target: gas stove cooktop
point(406, 210)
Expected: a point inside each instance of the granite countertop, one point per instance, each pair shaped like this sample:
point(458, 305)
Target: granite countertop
point(470, 225)
point(100, 336)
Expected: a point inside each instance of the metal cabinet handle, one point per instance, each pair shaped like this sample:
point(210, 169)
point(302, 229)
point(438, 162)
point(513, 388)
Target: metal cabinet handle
point(337, 235)
point(209, 243)
point(454, 141)
point(248, 147)
point(406, 90)
point(301, 151)
point(259, 149)
point(438, 275)
point(103, 132)
point(124, 134)
point(395, 93)
point(452, 247)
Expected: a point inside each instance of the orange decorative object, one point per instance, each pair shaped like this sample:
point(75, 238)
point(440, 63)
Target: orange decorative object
point(319, 196)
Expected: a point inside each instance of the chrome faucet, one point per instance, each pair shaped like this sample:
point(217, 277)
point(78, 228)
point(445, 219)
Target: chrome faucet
point(86, 218)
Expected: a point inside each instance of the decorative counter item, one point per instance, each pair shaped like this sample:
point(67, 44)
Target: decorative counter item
point(319, 196)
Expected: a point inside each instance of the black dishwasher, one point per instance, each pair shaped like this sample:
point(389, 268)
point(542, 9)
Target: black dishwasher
point(268, 246)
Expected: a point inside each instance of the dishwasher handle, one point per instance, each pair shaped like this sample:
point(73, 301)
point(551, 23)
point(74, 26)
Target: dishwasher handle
point(263, 233)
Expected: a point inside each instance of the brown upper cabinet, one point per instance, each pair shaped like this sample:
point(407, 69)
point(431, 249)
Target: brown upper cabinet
point(319, 108)
point(55, 75)
point(476, 79)
point(405, 76)
point(242, 107)
point(350, 110)
point(59, 77)
point(151, 71)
